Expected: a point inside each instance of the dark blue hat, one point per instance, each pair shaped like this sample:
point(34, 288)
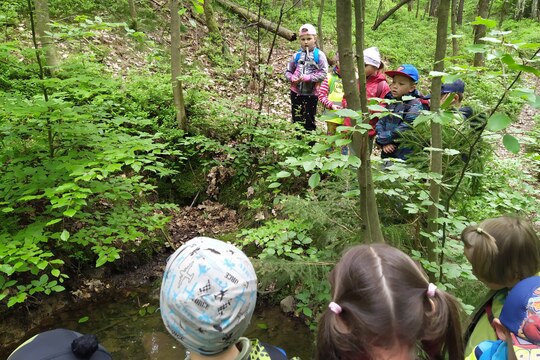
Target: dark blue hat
point(521, 314)
point(406, 70)
point(457, 86)
point(61, 344)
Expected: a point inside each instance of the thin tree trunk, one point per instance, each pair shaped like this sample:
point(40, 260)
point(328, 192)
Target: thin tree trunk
point(42, 27)
point(133, 14)
point(502, 14)
point(214, 33)
point(480, 31)
point(520, 9)
point(410, 6)
point(368, 200)
point(453, 26)
point(265, 24)
point(320, 37)
point(176, 67)
point(436, 129)
point(534, 10)
point(460, 12)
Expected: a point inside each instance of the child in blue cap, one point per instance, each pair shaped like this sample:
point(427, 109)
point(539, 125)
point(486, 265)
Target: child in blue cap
point(403, 112)
point(518, 326)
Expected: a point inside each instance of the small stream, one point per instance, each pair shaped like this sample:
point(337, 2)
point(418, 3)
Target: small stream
point(127, 334)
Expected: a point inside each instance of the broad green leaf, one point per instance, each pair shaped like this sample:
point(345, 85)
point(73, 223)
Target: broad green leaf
point(274, 185)
point(488, 23)
point(7, 209)
point(348, 113)
point(55, 272)
point(83, 319)
point(437, 74)
point(53, 221)
point(498, 121)
point(65, 235)
point(342, 142)
point(314, 180)
point(283, 174)
point(511, 143)
point(317, 148)
point(70, 212)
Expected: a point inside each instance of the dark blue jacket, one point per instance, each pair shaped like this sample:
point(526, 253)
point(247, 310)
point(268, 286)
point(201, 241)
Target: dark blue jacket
point(401, 118)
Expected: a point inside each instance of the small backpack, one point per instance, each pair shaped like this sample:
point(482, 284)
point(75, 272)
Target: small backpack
point(315, 55)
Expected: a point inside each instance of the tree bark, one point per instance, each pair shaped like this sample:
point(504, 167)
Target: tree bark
point(214, 33)
point(460, 12)
point(368, 199)
point(389, 13)
point(433, 7)
point(453, 26)
point(320, 38)
point(133, 14)
point(265, 24)
point(436, 129)
point(42, 27)
point(520, 9)
point(480, 31)
point(176, 67)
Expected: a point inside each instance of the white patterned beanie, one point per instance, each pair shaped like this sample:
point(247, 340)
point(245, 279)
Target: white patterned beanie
point(208, 295)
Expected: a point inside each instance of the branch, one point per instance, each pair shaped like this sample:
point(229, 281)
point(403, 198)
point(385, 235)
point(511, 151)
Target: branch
point(389, 13)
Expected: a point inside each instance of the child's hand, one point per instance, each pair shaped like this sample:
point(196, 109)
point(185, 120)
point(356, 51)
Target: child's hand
point(305, 78)
point(387, 149)
point(295, 79)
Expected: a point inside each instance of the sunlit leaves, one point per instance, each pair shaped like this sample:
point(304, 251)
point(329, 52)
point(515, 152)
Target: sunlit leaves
point(511, 143)
point(498, 121)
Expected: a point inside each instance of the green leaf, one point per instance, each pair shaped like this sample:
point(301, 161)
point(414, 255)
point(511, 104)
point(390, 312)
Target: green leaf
point(274, 185)
point(70, 212)
point(283, 174)
point(348, 113)
point(53, 221)
point(342, 142)
point(314, 180)
point(498, 121)
point(55, 272)
point(65, 235)
point(511, 143)
point(262, 326)
point(481, 21)
point(83, 319)
point(7, 209)
point(307, 311)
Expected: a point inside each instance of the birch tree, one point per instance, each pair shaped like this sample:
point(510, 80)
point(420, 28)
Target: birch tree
point(480, 30)
point(42, 27)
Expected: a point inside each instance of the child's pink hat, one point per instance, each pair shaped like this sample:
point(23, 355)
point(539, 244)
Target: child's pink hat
point(307, 29)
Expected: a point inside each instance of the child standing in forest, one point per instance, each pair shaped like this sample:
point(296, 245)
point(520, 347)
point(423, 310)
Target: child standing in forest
point(305, 71)
point(502, 251)
point(402, 112)
point(384, 307)
point(207, 299)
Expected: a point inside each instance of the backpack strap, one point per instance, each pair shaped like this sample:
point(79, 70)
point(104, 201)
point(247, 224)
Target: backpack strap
point(315, 55)
point(484, 308)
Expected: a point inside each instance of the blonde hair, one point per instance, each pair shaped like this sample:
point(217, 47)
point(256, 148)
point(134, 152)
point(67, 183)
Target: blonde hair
point(384, 302)
point(502, 250)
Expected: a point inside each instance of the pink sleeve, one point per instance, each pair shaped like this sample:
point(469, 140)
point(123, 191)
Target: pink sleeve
point(323, 95)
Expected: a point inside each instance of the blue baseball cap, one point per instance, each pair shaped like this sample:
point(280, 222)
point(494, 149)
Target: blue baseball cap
point(521, 314)
point(406, 70)
point(457, 86)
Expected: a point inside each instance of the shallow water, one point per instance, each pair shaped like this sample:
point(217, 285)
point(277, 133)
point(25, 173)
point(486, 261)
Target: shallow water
point(130, 335)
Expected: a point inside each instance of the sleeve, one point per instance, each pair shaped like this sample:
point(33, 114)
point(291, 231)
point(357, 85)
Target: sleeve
point(322, 71)
point(291, 68)
point(323, 94)
point(384, 137)
point(412, 113)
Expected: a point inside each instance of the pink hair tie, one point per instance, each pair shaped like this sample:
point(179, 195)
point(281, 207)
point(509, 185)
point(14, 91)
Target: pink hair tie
point(431, 290)
point(335, 308)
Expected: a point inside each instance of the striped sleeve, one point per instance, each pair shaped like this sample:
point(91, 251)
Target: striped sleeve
point(323, 95)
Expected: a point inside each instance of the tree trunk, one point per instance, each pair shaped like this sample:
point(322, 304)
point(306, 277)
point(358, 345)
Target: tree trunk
point(372, 230)
point(214, 33)
point(368, 200)
point(410, 6)
point(433, 7)
point(254, 18)
point(535, 14)
point(453, 26)
point(520, 9)
point(133, 14)
point(502, 14)
point(460, 12)
point(42, 27)
point(436, 130)
point(480, 30)
point(320, 38)
point(176, 67)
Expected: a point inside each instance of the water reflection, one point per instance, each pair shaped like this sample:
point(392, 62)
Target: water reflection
point(129, 335)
